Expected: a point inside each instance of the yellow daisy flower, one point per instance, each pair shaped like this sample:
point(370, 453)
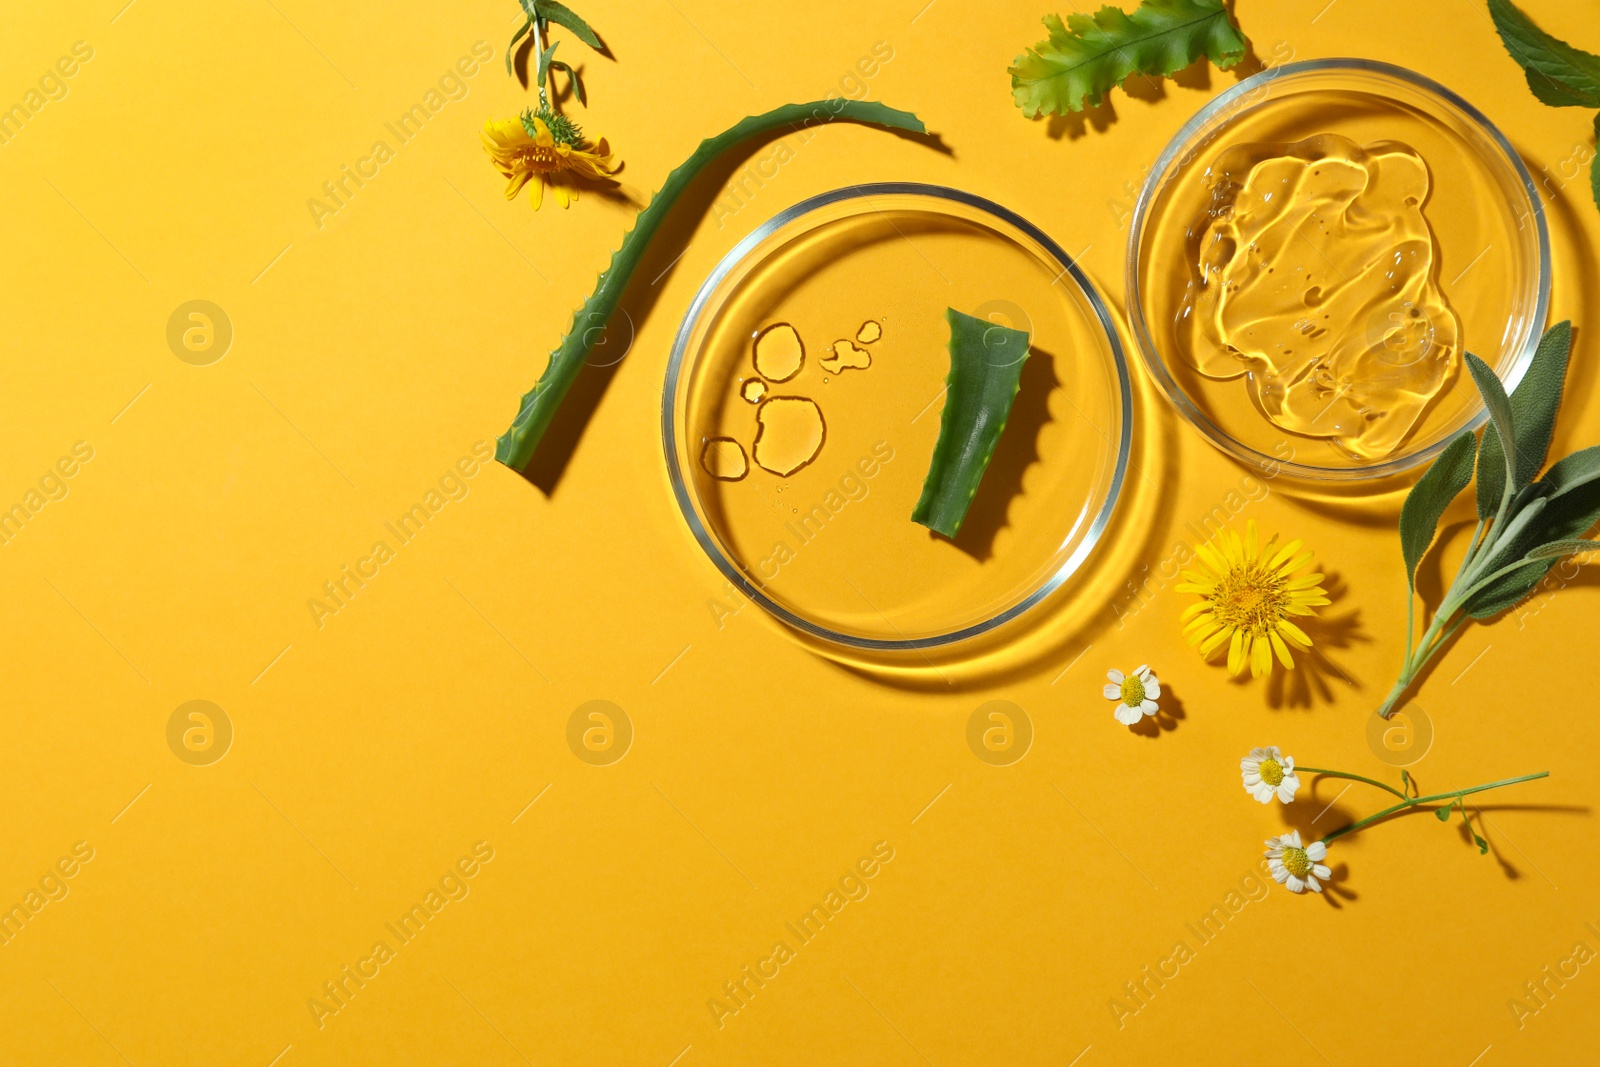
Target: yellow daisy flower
point(544, 149)
point(1248, 594)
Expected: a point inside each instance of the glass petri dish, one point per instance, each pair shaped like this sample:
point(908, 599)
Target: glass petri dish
point(798, 477)
point(1487, 288)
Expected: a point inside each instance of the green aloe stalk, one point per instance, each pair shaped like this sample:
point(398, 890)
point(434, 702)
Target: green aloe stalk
point(516, 446)
point(985, 373)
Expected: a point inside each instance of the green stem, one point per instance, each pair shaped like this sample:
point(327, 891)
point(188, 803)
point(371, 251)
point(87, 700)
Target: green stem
point(1353, 778)
point(516, 446)
point(1412, 802)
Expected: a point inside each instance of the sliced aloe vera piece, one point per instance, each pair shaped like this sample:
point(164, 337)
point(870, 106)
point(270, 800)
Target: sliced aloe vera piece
point(985, 373)
point(515, 447)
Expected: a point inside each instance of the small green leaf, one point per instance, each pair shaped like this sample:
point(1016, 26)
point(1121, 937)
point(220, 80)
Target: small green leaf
point(1483, 846)
point(1557, 549)
point(1088, 55)
point(562, 15)
point(1443, 814)
point(511, 49)
point(573, 77)
point(1533, 409)
point(1499, 405)
point(1594, 165)
point(1428, 499)
point(1571, 75)
point(985, 372)
point(1405, 779)
point(545, 59)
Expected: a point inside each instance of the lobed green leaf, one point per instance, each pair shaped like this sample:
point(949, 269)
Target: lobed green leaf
point(1087, 56)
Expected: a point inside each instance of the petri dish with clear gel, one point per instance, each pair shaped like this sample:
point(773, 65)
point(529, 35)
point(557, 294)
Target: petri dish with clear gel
point(803, 401)
point(1322, 333)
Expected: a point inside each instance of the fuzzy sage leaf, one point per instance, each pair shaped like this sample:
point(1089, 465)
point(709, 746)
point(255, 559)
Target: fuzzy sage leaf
point(1502, 425)
point(516, 446)
point(1428, 499)
point(985, 372)
point(1525, 523)
point(1533, 410)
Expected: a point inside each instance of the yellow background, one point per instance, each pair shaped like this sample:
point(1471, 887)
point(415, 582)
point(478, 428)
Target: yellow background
point(372, 753)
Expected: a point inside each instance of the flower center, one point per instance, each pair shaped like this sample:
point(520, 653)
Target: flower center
point(1250, 599)
point(1296, 860)
point(1133, 690)
point(1271, 771)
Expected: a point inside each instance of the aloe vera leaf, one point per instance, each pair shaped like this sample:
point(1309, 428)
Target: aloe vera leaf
point(516, 446)
point(985, 373)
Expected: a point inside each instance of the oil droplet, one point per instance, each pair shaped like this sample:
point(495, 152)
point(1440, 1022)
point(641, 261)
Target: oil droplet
point(846, 356)
point(753, 390)
point(723, 458)
point(870, 331)
point(789, 433)
point(779, 352)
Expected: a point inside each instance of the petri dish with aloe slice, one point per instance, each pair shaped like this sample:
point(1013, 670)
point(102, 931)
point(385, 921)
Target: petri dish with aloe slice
point(803, 401)
point(1314, 252)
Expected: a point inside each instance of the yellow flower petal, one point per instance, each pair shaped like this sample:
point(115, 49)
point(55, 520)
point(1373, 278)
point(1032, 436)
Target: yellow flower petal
point(536, 191)
point(1237, 653)
point(1282, 650)
point(1215, 641)
point(1294, 633)
point(1260, 658)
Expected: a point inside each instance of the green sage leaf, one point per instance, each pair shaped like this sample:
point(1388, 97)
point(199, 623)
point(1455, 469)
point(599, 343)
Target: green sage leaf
point(1557, 549)
point(1428, 499)
point(562, 15)
point(985, 373)
point(1534, 404)
point(1443, 814)
point(1499, 405)
point(1558, 74)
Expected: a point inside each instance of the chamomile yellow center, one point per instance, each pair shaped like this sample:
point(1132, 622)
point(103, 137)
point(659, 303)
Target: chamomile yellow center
point(1297, 862)
point(1251, 599)
point(1133, 690)
point(1271, 771)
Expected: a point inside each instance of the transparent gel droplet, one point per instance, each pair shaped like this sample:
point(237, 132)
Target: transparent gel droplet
point(778, 352)
point(789, 434)
point(723, 457)
point(753, 390)
point(870, 331)
point(845, 356)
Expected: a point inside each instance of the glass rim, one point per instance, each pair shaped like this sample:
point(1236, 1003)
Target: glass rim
point(1144, 342)
point(736, 257)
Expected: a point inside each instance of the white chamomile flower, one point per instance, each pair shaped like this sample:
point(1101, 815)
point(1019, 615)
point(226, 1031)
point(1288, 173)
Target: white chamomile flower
point(1295, 866)
point(1267, 772)
point(1134, 693)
